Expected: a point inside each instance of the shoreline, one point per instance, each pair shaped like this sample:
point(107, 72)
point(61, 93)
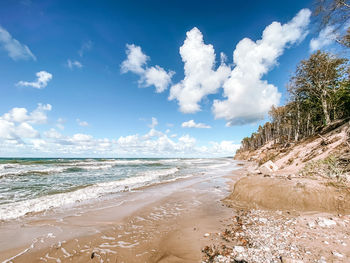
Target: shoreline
point(190, 220)
point(158, 216)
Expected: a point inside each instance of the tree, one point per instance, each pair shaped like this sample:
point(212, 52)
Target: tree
point(318, 78)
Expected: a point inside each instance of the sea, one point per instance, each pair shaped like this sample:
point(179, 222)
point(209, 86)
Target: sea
point(35, 185)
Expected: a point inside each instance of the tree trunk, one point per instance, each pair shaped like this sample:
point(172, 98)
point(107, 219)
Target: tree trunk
point(308, 124)
point(298, 123)
point(325, 108)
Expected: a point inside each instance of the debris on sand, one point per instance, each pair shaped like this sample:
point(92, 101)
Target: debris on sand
point(275, 236)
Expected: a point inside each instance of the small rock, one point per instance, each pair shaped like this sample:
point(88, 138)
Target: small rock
point(324, 222)
point(268, 167)
point(335, 253)
point(263, 220)
point(239, 249)
point(311, 224)
point(206, 234)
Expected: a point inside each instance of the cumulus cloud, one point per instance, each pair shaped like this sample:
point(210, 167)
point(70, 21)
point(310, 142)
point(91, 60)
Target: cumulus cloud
point(201, 78)
point(82, 123)
point(326, 37)
point(41, 82)
point(152, 144)
point(16, 125)
point(19, 115)
point(193, 124)
point(249, 97)
point(71, 64)
point(136, 62)
point(227, 148)
point(157, 77)
point(13, 47)
point(156, 143)
point(18, 136)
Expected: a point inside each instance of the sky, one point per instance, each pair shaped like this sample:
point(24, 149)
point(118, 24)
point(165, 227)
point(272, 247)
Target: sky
point(145, 78)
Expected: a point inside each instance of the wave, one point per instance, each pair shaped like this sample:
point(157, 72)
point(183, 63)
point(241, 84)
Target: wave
point(18, 170)
point(40, 204)
point(34, 171)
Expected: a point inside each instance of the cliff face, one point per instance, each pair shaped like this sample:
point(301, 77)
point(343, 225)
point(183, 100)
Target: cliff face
point(333, 143)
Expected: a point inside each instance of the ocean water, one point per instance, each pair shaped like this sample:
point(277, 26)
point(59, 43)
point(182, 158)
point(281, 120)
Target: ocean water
point(32, 185)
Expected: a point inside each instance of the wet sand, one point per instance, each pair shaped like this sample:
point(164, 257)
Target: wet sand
point(162, 223)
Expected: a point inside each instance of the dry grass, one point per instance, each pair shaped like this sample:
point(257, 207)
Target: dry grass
point(267, 157)
point(329, 168)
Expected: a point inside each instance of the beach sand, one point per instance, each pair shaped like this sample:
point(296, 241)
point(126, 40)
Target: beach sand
point(282, 218)
point(209, 218)
point(169, 222)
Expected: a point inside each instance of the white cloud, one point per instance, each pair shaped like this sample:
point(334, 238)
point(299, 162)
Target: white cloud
point(74, 64)
point(38, 116)
point(192, 124)
point(227, 148)
point(326, 37)
point(17, 123)
point(25, 130)
point(53, 134)
point(249, 97)
point(82, 123)
point(136, 62)
point(160, 145)
point(14, 48)
point(19, 135)
point(41, 82)
point(201, 78)
point(86, 46)
point(154, 123)
point(157, 77)
point(19, 115)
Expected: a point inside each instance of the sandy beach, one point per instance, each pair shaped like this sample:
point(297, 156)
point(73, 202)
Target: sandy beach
point(167, 222)
point(225, 216)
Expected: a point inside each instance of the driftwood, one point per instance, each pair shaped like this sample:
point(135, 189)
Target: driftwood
point(324, 140)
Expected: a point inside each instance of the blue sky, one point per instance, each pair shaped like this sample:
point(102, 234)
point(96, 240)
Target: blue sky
point(109, 69)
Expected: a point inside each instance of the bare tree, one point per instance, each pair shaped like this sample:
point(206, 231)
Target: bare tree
point(335, 13)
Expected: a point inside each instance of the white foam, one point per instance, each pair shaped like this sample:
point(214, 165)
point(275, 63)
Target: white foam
point(18, 209)
point(27, 169)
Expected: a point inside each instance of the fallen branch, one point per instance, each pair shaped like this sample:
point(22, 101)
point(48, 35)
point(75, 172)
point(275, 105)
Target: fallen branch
point(323, 138)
